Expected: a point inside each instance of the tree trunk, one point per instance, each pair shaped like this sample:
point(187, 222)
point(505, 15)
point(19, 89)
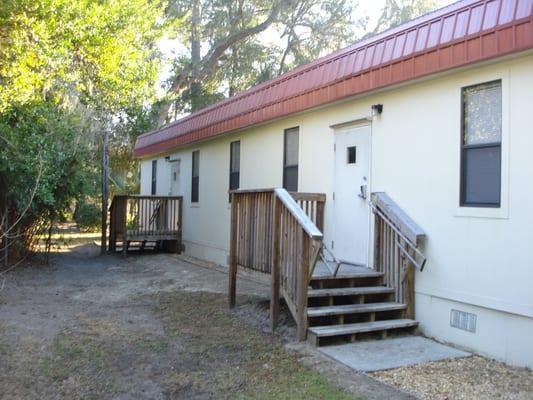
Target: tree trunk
point(105, 189)
point(196, 88)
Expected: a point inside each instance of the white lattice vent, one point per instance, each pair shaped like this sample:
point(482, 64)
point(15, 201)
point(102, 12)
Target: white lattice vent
point(463, 320)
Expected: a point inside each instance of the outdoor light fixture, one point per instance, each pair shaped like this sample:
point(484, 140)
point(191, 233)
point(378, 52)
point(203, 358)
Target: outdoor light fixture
point(377, 109)
point(167, 158)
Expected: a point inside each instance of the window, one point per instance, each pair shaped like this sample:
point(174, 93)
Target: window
point(350, 155)
point(195, 192)
point(154, 177)
point(481, 145)
point(290, 159)
point(234, 165)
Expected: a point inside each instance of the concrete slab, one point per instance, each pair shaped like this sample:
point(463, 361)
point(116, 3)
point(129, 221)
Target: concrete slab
point(391, 353)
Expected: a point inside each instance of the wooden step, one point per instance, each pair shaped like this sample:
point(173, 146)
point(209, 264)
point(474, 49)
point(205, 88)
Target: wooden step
point(317, 332)
point(369, 274)
point(349, 291)
point(354, 309)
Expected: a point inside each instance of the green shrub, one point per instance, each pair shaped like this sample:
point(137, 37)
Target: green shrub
point(88, 216)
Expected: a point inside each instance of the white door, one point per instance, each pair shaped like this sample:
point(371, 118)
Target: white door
point(351, 227)
point(175, 178)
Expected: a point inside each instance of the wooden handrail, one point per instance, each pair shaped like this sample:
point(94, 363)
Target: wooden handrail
point(398, 217)
point(298, 213)
point(397, 240)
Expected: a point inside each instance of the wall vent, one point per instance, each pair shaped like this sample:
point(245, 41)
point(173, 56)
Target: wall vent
point(463, 320)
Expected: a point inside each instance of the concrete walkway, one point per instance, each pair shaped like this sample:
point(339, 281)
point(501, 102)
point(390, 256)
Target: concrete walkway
point(376, 355)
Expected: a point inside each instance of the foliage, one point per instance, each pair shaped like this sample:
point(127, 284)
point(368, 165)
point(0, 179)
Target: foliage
point(44, 147)
point(99, 59)
point(396, 12)
point(70, 69)
point(87, 216)
point(99, 54)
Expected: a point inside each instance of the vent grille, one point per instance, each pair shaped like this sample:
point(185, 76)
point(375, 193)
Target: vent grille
point(463, 320)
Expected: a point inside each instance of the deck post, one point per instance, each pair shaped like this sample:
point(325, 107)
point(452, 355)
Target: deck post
point(233, 251)
point(377, 244)
point(302, 284)
point(320, 215)
point(410, 287)
point(124, 226)
point(275, 267)
point(180, 226)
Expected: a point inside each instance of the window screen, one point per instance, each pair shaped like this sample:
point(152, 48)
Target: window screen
point(481, 145)
point(195, 190)
point(234, 165)
point(290, 159)
point(154, 177)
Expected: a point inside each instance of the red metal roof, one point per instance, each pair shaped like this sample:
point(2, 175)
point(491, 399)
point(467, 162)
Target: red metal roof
point(462, 33)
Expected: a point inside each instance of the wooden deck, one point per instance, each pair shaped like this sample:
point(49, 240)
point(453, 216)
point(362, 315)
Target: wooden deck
point(137, 220)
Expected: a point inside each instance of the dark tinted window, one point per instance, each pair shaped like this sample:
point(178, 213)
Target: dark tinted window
point(195, 189)
point(234, 165)
point(350, 155)
point(481, 145)
point(290, 159)
point(154, 177)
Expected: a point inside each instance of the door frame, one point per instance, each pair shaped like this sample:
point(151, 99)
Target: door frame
point(360, 123)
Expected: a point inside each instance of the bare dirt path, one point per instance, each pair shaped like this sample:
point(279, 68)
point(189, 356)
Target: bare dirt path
point(153, 327)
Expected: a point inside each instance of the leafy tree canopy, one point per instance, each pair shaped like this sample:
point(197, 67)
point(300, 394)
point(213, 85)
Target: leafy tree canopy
point(70, 69)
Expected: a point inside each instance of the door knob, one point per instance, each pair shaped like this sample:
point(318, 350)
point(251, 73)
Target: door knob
point(362, 192)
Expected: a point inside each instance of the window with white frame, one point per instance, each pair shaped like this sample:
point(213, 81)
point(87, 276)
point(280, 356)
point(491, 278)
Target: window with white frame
point(481, 142)
point(290, 159)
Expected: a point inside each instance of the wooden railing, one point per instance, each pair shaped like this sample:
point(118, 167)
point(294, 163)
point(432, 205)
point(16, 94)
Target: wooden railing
point(255, 212)
point(145, 218)
point(397, 240)
point(275, 232)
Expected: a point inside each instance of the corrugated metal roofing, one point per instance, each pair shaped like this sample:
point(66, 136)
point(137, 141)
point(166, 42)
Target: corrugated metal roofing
point(462, 33)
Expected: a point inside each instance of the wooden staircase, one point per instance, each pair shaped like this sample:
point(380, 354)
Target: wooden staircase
point(277, 233)
point(353, 307)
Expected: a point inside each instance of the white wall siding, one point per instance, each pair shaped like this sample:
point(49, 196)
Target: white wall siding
point(478, 259)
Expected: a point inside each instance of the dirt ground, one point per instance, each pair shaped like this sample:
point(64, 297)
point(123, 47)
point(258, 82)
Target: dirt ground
point(154, 327)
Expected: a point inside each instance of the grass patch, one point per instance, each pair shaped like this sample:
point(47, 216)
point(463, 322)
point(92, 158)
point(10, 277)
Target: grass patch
point(79, 367)
point(153, 346)
point(228, 359)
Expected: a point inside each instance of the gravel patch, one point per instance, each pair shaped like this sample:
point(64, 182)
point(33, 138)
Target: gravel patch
point(467, 378)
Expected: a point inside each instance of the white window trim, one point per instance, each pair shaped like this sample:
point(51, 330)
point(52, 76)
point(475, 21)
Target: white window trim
point(501, 212)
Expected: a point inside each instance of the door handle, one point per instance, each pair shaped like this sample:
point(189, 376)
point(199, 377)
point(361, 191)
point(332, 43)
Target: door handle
point(362, 192)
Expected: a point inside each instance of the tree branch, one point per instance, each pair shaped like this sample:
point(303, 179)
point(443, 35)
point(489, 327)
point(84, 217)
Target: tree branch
point(216, 52)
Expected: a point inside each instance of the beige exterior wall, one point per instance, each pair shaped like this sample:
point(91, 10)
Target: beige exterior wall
point(479, 260)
